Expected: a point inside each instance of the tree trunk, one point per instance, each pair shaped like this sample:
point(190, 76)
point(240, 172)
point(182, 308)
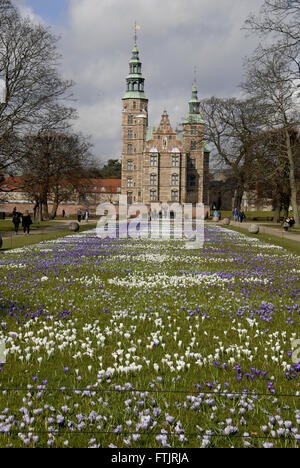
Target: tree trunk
point(40, 212)
point(237, 199)
point(45, 210)
point(292, 177)
point(276, 217)
point(35, 212)
point(54, 210)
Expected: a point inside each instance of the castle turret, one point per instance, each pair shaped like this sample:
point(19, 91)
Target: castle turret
point(134, 126)
point(193, 144)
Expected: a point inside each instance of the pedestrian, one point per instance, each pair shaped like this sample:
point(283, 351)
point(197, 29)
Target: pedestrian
point(86, 216)
point(291, 222)
point(286, 225)
point(79, 215)
point(63, 213)
point(26, 222)
point(235, 214)
point(241, 216)
point(16, 220)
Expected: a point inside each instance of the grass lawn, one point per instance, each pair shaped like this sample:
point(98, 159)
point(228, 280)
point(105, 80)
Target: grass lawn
point(20, 240)
point(7, 225)
point(123, 343)
point(290, 245)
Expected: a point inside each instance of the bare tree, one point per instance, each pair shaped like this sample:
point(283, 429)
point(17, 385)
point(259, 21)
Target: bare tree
point(271, 81)
point(28, 67)
point(52, 168)
point(271, 170)
point(232, 126)
point(278, 19)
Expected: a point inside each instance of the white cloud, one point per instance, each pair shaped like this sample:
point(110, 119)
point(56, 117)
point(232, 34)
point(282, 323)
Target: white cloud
point(175, 36)
point(27, 11)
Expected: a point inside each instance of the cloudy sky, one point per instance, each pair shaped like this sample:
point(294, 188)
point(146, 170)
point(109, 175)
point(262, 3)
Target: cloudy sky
point(175, 36)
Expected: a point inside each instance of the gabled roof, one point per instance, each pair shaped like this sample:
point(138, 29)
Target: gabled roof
point(95, 185)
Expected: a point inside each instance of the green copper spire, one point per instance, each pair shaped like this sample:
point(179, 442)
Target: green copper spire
point(194, 107)
point(194, 103)
point(135, 80)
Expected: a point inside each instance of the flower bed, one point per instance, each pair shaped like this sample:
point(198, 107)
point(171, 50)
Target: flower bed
point(122, 343)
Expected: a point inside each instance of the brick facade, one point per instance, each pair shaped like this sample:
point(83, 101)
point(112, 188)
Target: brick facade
point(160, 164)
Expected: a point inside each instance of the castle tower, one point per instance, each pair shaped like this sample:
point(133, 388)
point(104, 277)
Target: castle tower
point(162, 165)
point(134, 126)
point(196, 164)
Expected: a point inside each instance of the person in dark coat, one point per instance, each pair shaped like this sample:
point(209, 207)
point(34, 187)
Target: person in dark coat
point(242, 216)
point(291, 222)
point(26, 222)
point(16, 220)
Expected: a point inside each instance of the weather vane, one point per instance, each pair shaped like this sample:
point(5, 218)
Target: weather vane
point(195, 75)
point(136, 27)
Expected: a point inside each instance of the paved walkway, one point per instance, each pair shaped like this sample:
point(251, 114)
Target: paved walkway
point(43, 230)
point(267, 230)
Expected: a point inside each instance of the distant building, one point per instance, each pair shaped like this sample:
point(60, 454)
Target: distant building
point(89, 194)
point(158, 163)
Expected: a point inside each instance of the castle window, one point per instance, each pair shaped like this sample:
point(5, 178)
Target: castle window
point(193, 130)
point(130, 133)
point(129, 148)
point(193, 145)
point(130, 120)
point(175, 161)
point(153, 179)
point(174, 195)
point(192, 181)
point(134, 105)
point(129, 198)
point(175, 179)
point(129, 165)
point(129, 182)
point(153, 195)
point(193, 163)
point(153, 160)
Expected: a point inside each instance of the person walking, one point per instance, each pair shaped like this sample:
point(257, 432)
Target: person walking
point(16, 220)
point(242, 216)
point(79, 215)
point(26, 222)
point(86, 216)
point(286, 225)
point(235, 214)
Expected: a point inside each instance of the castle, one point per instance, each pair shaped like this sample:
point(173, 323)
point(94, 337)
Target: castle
point(159, 164)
